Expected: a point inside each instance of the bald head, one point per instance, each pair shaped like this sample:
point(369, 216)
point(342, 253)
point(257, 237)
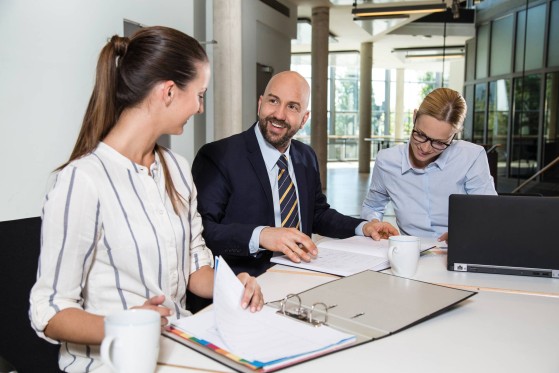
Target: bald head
point(295, 82)
point(282, 109)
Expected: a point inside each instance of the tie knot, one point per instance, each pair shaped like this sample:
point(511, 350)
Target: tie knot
point(282, 162)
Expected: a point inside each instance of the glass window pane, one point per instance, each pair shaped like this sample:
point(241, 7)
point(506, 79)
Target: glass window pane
point(470, 59)
point(535, 35)
point(501, 46)
point(498, 119)
point(553, 47)
point(482, 51)
point(551, 128)
point(524, 150)
point(479, 113)
point(520, 30)
point(468, 123)
point(302, 64)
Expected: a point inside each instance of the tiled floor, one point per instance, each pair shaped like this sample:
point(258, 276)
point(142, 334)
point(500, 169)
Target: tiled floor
point(346, 188)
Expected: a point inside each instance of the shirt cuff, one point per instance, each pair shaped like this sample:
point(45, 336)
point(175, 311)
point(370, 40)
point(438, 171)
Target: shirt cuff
point(372, 215)
point(254, 244)
point(359, 229)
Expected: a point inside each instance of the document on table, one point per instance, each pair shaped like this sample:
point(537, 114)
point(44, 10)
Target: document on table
point(261, 340)
point(344, 257)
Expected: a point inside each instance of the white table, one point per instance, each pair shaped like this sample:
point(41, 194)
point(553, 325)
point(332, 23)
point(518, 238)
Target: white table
point(511, 325)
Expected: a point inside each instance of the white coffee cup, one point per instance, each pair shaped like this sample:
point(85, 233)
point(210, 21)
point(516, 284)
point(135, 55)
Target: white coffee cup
point(131, 343)
point(403, 253)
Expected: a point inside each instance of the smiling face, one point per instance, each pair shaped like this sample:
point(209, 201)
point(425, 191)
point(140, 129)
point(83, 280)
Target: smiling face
point(421, 154)
point(190, 100)
point(282, 109)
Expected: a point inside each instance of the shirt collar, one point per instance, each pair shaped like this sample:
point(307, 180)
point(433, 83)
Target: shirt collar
point(115, 156)
point(269, 152)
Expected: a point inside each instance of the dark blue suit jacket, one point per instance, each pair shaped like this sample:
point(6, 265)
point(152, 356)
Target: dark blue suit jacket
point(234, 197)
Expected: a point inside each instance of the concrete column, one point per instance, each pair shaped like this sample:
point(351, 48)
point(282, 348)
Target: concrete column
point(365, 82)
point(399, 114)
point(319, 104)
point(387, 102)
point(227, 69)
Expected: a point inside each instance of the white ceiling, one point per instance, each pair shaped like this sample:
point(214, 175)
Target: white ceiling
point(401, 33)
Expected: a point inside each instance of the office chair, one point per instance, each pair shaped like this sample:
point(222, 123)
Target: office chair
point(21, 349)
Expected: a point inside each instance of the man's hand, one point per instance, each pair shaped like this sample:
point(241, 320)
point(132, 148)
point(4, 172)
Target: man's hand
point(252, 295)
point(290, 241)
point(443, 237)
point(378, 229)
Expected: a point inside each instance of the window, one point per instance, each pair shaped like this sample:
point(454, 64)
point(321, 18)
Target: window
point(479, 113)
point(531, 35)
point(498, 120)
point(482, 48)
point(524, 149)
point(501, 46)
point(551, 127)
point(553, 46)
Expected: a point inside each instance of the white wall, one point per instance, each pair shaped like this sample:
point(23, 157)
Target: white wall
point(47, 63)
point(267, 35)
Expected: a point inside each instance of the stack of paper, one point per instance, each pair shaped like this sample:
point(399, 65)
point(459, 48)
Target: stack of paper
point(263, 340)
point(349, 256)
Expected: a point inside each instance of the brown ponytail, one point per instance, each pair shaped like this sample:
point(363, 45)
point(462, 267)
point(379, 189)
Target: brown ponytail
point(127, 70)
point(101, 113)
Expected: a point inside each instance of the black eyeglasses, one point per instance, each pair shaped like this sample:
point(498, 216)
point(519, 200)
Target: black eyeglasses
point(421, 138)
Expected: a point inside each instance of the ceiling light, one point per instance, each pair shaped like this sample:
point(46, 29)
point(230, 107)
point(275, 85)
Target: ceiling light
point(431, 52)
point(402, 10)
point(434, 56)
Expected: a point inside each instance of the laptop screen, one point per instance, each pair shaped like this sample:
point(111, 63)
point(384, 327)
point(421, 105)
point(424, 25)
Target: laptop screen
point(512, 234)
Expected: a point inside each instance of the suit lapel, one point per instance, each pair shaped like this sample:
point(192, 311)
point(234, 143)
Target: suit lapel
point(255, 158)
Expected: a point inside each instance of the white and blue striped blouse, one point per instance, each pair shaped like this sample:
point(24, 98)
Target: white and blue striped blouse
point(111, 239)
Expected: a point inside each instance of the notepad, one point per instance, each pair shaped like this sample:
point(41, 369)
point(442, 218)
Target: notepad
point(245, 337)
point(344, 257)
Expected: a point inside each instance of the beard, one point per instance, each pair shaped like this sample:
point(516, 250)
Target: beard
point(277, 141)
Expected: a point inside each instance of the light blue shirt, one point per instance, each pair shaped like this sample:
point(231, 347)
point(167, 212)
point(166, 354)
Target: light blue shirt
point(420, 196)
point(271, 156)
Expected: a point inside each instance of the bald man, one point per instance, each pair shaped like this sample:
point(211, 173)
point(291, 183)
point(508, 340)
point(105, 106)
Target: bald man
point(259, 191)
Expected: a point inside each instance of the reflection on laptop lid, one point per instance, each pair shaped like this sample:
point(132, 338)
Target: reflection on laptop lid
point(513, 235)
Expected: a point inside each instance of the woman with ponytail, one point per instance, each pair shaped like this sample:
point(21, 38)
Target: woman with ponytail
point(120, 225)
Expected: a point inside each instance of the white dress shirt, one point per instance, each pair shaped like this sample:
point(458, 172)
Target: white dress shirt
point(110, 240)
point(420, 196)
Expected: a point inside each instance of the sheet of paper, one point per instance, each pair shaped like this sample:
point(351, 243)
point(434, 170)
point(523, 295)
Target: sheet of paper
point(365, 245)
point(263, 336)
point(338, 261)
point(344, 257)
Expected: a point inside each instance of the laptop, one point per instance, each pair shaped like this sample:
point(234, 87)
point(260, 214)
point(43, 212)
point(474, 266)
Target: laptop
point(506, 234)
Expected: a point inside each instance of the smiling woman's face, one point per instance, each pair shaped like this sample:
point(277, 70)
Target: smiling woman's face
point(421, 154)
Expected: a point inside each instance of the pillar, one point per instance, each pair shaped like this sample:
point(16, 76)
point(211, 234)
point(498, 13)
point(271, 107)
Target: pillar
point(365, 82)
point(319, 60)
point(227, 69)
point(399, 114)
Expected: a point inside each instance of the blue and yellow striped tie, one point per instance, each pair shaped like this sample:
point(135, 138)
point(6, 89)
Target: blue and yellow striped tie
point(287, 196)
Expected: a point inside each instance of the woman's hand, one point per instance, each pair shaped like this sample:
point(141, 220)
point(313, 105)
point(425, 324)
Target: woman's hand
point(252, 295)
point(155, 304)
point(378, 230)
point(443, 237)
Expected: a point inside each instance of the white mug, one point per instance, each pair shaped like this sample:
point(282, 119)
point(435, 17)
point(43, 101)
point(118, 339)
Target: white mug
point(403, 253)
point(131, 343)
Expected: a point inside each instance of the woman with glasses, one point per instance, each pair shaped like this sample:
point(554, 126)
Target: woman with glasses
point(418, 177)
